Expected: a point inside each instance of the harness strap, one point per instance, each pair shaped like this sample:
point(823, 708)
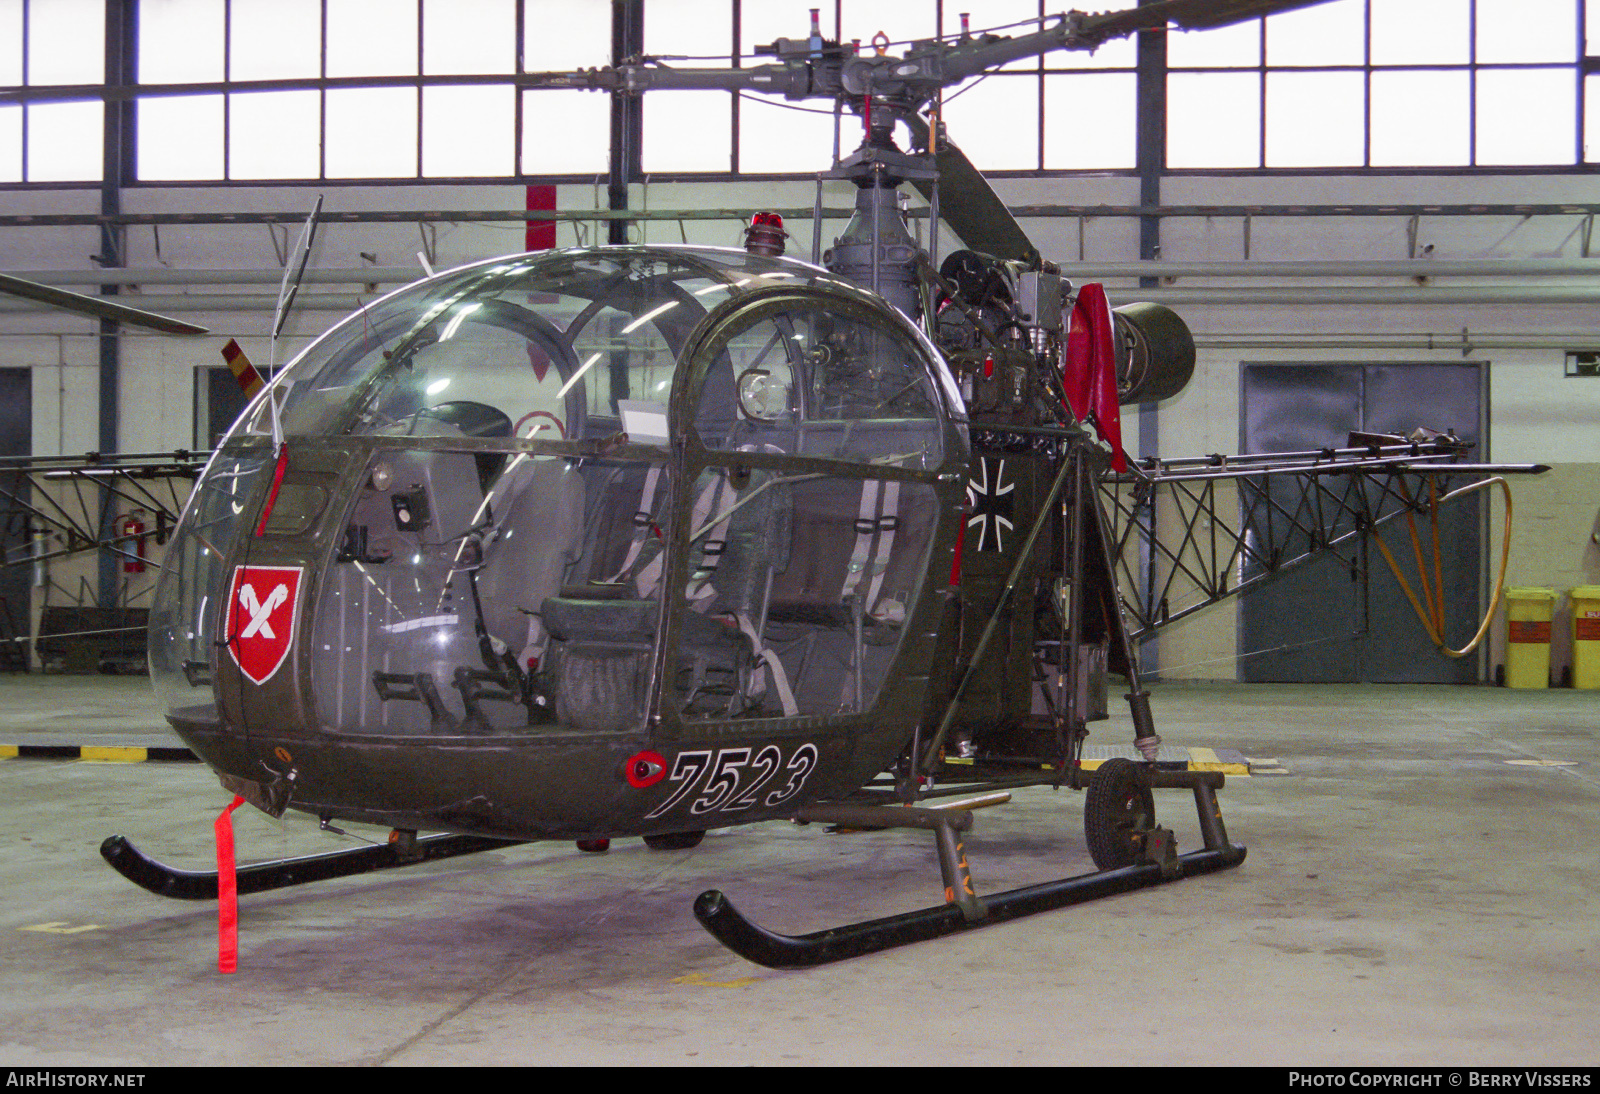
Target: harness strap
point(718, 497)
point(643, 521)
point(877, 520)
point(780, 678)
point(888, 524)
point(866, 531)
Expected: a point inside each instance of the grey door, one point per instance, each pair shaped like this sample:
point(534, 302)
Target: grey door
point(218, 401)
point(1324, 623)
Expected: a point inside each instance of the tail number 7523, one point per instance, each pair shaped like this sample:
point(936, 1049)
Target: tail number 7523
point(733, 779)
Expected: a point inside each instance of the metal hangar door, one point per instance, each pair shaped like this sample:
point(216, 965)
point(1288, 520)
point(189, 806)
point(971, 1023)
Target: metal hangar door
point(1323, 623)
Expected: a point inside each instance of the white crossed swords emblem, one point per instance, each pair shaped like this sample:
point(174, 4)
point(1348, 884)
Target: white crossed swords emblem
point(260, 612)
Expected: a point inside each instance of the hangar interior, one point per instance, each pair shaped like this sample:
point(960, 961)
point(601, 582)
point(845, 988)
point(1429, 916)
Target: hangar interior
point(1365, 210)
point(1382, 145)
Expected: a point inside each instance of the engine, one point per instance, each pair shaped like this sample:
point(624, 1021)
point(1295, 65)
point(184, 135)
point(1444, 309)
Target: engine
point(1003, 327)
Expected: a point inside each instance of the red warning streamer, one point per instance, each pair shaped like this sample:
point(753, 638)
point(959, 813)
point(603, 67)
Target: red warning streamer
point(1089, 369)
point(277, 483)
point(227, 892)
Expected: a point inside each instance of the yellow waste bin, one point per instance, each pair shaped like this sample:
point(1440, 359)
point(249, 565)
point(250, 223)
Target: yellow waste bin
point(1586, 636)
point(1528, 611)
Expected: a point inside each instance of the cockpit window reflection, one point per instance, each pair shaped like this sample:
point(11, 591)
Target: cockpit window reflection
point(545, 346)
point(813, 381)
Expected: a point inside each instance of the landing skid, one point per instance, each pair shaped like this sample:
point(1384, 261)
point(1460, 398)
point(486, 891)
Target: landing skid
point(1155, 861)
point(781, 951)
point(164, 880)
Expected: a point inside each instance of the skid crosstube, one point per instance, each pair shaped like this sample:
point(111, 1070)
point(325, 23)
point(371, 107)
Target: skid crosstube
point(164, 880)
point(778, 951)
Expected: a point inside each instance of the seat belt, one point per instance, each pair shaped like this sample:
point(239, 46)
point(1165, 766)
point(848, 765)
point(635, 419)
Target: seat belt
point(718, 497)
point(877, 520)
point(643, 522)
point(780, 678)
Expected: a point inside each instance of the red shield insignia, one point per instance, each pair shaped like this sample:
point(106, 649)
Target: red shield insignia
point(261, 616)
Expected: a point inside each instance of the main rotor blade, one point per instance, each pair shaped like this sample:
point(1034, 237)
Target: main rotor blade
point(1186, 14)
point(969, 205)
point(98, 307)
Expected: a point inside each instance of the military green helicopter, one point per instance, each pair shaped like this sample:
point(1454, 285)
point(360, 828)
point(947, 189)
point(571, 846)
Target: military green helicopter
point(641, 541)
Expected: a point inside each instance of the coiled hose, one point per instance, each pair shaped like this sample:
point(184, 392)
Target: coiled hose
point(1433, 617)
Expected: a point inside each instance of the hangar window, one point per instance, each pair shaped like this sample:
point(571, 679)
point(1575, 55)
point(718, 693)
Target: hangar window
point(688, 131)
point(469, 36)
point(254, 90)
point(43, 44)
point(274, 39)
point(361, 89)
point(1383, 83)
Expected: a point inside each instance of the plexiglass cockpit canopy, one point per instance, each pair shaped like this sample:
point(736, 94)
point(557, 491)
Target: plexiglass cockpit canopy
point(551, 464)
point(545, 341)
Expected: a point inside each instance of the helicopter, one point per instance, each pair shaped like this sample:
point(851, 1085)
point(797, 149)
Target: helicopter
point(644, 540)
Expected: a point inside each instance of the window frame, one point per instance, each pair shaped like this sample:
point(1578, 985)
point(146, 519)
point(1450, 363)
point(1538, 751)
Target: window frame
point(1583, 67)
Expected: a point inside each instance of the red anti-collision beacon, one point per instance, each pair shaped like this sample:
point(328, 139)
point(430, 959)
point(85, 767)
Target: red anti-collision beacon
point(765, 235)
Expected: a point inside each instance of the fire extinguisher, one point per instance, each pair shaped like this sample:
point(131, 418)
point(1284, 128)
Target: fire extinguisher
point(133, 560)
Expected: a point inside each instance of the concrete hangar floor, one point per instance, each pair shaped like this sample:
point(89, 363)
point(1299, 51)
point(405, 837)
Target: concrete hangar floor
point(1420, 889)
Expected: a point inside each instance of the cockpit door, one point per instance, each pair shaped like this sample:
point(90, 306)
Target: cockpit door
point(812, 438)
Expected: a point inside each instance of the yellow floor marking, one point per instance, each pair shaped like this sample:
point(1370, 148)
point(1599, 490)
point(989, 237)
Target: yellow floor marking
point(8, 752)
point(700, 980)
point(1226, 767)
point(1201, 759)
point(114, 754)
point(61, 927)
point(1206, 759)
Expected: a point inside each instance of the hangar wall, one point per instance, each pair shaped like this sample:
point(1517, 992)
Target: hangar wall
point(1535, 412)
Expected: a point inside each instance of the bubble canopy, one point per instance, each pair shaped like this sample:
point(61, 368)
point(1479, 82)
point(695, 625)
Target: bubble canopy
point(576, 492)
point(544, 346)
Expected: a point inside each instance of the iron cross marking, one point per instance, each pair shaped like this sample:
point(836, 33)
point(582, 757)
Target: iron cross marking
point(990, 497)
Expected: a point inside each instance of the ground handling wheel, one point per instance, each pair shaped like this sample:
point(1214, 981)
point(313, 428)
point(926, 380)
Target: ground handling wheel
point(675, 841)
point(1117, 811)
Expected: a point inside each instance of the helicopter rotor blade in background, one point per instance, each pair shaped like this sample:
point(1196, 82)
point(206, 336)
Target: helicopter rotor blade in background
point(969, 205)
point(97, 307)
point(1185, 14)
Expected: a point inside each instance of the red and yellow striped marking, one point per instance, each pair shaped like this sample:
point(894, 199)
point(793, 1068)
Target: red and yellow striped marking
point(243, 371)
